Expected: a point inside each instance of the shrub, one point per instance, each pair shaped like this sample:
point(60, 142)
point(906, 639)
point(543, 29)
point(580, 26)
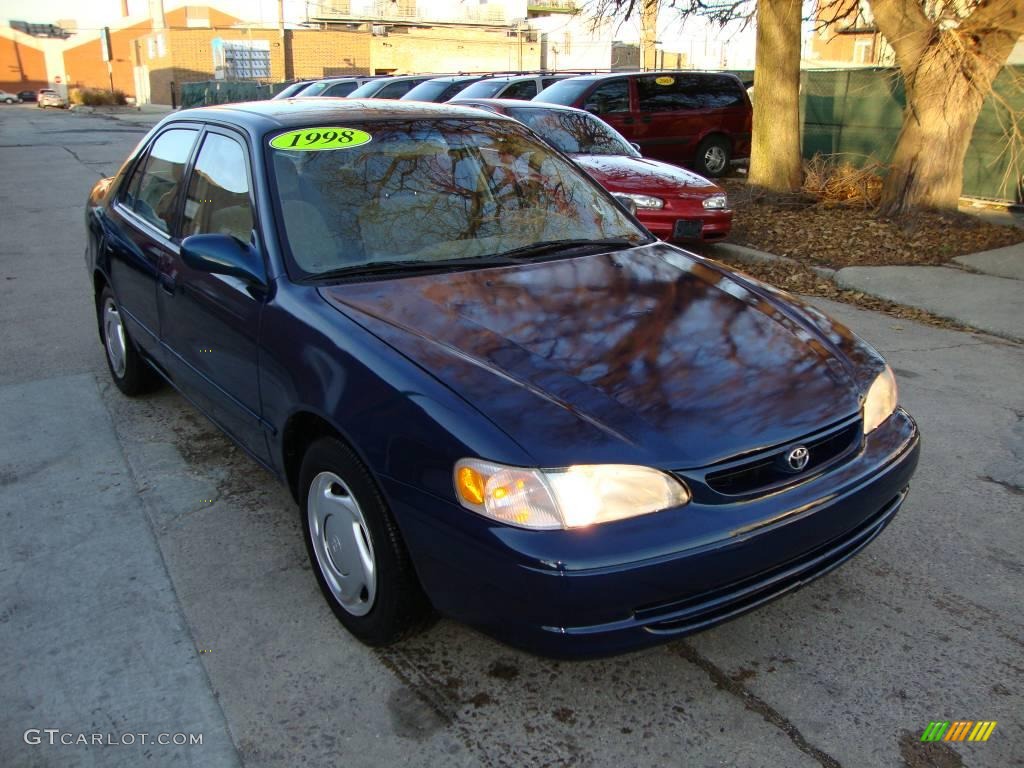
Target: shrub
point(94, 97)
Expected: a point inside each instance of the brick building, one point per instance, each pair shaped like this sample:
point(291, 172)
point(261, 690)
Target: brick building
point(22, 61)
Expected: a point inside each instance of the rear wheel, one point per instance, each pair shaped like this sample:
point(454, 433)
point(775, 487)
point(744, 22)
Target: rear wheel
point(9, 101)
point(356, 549)
point(713, 156)
point(131, 373)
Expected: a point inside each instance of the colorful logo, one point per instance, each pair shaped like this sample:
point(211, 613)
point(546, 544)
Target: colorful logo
point(960, 730)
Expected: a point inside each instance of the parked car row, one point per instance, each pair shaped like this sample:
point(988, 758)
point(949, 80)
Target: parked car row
point(44, 97)
point(700, 119)
point(650, 123)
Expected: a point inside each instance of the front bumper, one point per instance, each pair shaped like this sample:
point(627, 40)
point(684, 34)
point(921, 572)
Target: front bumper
point(638, 582)
point(714, 224)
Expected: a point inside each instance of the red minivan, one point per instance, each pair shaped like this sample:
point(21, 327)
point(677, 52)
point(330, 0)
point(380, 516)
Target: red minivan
point(699, 119)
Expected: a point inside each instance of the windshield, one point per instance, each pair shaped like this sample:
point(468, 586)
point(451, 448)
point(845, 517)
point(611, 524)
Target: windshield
point(564, 91)
point(438, 90)
point(322, 85)
point(431, 191)
point(482, 89)
point(575, 133)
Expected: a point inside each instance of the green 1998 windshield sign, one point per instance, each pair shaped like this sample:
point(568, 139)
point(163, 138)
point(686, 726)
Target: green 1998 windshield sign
point(319, 139)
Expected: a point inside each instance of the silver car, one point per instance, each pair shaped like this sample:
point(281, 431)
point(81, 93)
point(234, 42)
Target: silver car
point(48, 98)
point(9, 98)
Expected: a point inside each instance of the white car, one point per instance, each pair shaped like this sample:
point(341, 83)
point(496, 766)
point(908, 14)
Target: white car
point(9, 98)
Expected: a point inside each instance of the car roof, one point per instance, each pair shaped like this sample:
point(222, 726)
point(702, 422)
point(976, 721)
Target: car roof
point(258, 117)
point(456, 78)
point(653, 72)
point(514, 104)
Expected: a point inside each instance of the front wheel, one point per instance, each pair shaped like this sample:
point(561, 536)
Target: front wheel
point(131, 373)
point(9, 101)
point(713, 156)
point(356, 549)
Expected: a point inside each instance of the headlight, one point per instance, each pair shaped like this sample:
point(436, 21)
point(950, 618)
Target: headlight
point(881, 400)
point(716, 202)
point(643, 201)
point(571, 497)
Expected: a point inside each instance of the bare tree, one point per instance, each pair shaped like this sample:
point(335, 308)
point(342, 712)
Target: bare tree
point(949, 53)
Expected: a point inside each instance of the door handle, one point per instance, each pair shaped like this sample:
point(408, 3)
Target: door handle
point(627, 121)
point(167, 282)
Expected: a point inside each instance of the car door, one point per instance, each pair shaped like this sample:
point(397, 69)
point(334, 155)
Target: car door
point(139, 240)
point(671, 118)
point(209, 323)
point(610, 101)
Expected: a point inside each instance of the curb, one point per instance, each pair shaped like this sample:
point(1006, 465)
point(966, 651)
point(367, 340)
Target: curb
point(746, 255)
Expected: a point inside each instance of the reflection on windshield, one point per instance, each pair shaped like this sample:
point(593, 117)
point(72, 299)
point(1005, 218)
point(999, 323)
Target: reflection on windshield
point(575, 133)
point(434, 190)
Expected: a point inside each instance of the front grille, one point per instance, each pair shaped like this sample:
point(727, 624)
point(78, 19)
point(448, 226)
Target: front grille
point(768, 469)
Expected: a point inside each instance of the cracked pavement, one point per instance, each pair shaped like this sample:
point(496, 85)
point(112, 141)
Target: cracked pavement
point(100, 495)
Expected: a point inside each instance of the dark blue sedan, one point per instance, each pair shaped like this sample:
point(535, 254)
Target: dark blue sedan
point(492, 393)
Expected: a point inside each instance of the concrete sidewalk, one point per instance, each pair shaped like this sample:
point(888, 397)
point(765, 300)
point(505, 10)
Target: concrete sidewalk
point(982, 290)
point(93, 639)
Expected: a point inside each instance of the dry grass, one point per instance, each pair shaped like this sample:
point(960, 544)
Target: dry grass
point(830, 179)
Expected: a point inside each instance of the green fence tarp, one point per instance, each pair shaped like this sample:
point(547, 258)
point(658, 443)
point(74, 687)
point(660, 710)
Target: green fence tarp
point(209, 92)
point(858, 113)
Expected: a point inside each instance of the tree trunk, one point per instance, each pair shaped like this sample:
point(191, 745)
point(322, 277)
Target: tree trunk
point(948, 72)
point(775, 163)
point(648, 33)
point(943, 102)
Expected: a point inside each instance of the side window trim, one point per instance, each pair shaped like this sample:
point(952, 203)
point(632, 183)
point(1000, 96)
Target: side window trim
point(140, 166)
point(243, 142)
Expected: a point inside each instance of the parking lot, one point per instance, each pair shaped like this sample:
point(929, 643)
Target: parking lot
point(153, 578)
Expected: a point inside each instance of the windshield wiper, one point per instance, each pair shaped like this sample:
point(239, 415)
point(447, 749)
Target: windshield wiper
point(554, 246)
point(413, 265)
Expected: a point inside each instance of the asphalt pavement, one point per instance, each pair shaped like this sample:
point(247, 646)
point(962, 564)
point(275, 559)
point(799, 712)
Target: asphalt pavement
point(153, 579)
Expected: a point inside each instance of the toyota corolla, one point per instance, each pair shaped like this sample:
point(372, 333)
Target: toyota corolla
point(493, 394)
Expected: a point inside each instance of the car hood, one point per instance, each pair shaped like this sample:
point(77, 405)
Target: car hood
point(621, 173)
point(649, 355)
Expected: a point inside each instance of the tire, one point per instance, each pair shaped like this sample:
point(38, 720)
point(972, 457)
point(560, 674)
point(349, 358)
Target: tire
point(346, 524)
point(9, 101)
point(129, 370)
point(713, 156)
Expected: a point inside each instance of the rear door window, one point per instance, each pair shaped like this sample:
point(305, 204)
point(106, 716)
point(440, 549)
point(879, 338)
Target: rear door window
point(609, 97)
point(666, 93)
point(717, 92)
point(155, 198)
point(524, 90)
point(218, 192)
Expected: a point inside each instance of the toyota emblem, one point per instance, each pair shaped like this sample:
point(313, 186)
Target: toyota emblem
point(798, 458)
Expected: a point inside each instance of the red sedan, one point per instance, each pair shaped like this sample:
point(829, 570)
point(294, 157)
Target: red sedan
point(675, 204)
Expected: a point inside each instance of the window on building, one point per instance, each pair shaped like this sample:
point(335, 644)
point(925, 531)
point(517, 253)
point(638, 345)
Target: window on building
point(218, 192)
point(241, 59)
point(154, 196)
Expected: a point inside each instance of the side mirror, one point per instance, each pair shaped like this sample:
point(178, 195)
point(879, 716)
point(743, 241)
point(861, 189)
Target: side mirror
point(223, 255)
point(626, 202)
point(636, 146)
